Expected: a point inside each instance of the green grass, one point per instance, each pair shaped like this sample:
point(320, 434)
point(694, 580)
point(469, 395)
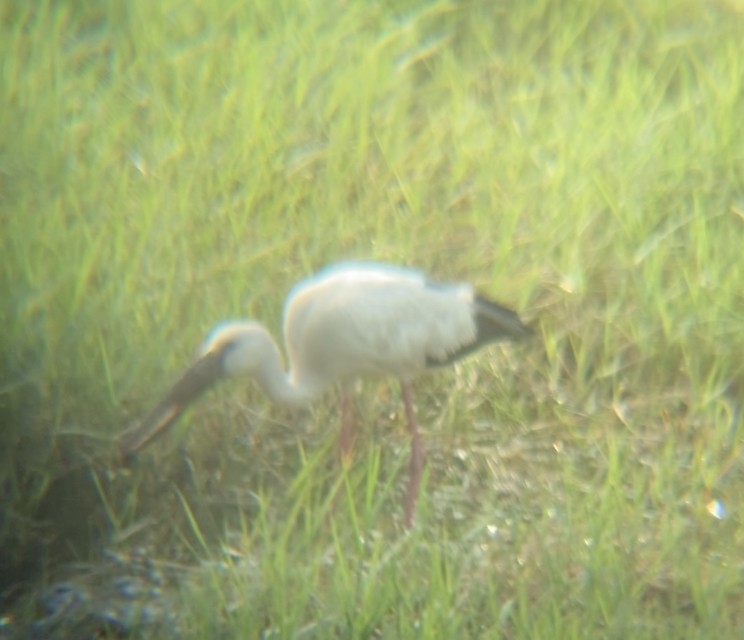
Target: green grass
point(167, 165)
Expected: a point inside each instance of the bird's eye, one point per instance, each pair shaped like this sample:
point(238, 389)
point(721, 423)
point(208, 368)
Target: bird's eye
point(228, 347)
point(218, 349)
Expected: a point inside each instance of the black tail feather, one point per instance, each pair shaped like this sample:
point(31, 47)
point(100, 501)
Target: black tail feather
point(496, 322)
point(493, 323)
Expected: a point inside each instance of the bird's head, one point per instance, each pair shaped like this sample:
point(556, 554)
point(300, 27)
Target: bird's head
point(240, 347)
point(231, 349)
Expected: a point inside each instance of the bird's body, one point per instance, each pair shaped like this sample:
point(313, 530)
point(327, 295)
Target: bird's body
point(347, 321)
point(364, 320)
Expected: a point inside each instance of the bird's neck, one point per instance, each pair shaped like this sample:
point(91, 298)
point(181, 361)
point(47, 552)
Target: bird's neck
point(279, 386)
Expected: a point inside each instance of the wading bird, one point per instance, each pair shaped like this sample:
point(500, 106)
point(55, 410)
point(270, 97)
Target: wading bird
point(349, 320)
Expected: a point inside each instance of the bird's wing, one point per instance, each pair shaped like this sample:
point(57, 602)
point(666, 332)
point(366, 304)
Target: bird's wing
point(389, 322)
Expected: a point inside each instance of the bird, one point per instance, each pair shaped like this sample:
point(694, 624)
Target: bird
point(349, 320)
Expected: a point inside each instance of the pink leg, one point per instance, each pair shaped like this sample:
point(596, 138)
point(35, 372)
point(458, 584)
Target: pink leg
point(417, 457)
point(346, 437)
point(345, 440)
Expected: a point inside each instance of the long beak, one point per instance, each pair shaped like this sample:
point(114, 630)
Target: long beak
point(197, 379)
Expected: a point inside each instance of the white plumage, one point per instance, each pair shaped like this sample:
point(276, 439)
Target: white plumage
point(371, 320)
point(349, 320)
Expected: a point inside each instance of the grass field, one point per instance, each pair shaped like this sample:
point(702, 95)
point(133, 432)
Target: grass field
point(166, 165)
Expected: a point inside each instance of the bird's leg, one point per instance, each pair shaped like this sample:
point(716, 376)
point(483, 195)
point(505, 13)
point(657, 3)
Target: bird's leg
point(417, 456)
point(345, 439)
point(346, 436)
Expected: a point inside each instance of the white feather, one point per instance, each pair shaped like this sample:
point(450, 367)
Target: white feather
point(367, 319)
